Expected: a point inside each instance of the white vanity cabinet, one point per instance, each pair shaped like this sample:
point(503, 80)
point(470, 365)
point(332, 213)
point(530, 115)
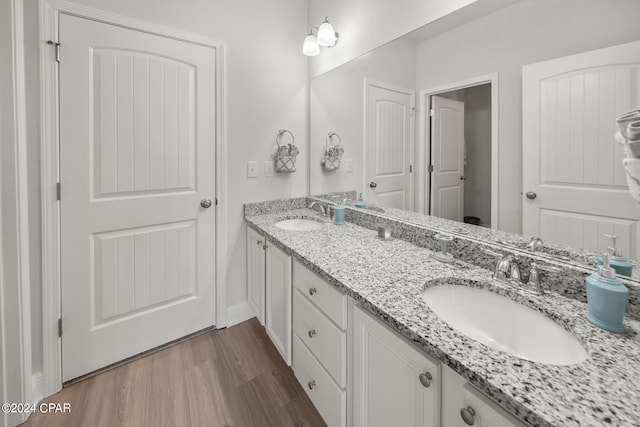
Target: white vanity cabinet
point(460, 399)
point(394, 384)
point(320, 343)
point(278, 299)
point(256, 244)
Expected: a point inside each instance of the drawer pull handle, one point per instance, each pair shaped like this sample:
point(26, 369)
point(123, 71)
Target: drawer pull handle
point(312, 291)
point(311, 384)
point(468, 415)
point(312, 333)
point(425, 379)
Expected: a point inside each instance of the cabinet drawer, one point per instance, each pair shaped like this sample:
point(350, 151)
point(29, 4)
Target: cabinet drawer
point(328, 398)
point(323, 338)
point(326, 297)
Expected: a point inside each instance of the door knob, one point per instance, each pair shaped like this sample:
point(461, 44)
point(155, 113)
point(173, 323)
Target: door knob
point(206, 203)
point(373, 184)
point(463, 178)
point(311, 384)
point(425, 379)
point(468, 415)
point(531, 195)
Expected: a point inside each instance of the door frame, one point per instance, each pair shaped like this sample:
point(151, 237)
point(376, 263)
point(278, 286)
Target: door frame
point(50, 11)
point(425, 135)
point(365, 132)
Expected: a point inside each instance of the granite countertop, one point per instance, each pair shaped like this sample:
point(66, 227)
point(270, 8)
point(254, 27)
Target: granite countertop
point(387, 277)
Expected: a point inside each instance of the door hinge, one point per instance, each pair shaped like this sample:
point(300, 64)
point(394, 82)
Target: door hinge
point(430, 168)
point(431, 112)
point(410, 168)
point(60, 327)
point(57, 46)
point(58, 191)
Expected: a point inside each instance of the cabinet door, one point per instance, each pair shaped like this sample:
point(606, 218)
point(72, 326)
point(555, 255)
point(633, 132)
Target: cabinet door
point(484, 413)
point(256, 272)
point(278, 299)
point(387, 389)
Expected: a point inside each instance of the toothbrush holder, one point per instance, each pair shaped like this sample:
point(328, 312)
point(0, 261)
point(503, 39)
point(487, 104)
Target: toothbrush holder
point(338, 215)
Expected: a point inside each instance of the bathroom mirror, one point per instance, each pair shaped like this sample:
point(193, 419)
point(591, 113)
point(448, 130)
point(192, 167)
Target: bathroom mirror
point(452, 101)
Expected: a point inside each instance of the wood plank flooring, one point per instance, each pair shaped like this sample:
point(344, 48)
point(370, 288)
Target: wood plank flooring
point(228, 377)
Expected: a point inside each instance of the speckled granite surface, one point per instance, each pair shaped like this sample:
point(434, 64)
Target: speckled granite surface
point(468, 244)
point(578, 257)
point(387, 277)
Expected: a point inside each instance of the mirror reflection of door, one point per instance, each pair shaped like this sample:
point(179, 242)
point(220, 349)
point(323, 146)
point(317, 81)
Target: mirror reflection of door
point(574, 184)
point(461, 155)
point(389, 150)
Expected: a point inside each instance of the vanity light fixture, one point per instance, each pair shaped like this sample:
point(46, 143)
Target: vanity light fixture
point(325, 35)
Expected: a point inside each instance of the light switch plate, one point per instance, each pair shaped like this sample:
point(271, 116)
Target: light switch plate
point(268, 168)
point(252, 169)
point(349, 165)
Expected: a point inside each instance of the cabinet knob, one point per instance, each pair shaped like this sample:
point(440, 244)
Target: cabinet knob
point(468, 415)
point(312, 291)
point(531, 195)
point(258, 242)
point(311, 384)
point(312, 333)
point(425, 379)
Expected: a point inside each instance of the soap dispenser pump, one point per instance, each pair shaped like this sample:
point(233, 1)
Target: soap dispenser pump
point(618, 262)
point(360, 203)
point(607, 298)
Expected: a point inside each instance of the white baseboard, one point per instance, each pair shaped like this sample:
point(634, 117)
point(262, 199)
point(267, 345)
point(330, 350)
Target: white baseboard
point(239, 313)
point(37, 387)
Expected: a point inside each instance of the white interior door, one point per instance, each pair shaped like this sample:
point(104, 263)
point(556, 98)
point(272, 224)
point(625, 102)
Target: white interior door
point(389, 147)
point(137, 149)
point(572, 168)
point(447, 158)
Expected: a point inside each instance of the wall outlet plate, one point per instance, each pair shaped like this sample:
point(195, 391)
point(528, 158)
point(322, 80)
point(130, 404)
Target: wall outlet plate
point(252, 169)
point(268, 168)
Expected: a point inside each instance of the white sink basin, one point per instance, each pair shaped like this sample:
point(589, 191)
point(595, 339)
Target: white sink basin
point(300, 224)
point(505, 325)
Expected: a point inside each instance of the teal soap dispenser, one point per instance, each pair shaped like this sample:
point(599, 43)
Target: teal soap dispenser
point(607, 298)
point(360, 203)
point(618, 262)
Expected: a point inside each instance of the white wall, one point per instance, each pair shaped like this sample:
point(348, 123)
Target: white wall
point(337, 104)
point(266, 88)
point(364, 25)
point(528, 31)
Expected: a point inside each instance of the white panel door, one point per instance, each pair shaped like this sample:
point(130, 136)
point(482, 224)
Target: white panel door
point(387, 389)
point(447, 158)
point(137, 149)
point(572, 168)
point(278, 300)
point(389, 147)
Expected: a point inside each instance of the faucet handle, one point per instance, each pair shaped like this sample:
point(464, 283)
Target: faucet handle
point(492, 253)
point(534, 276)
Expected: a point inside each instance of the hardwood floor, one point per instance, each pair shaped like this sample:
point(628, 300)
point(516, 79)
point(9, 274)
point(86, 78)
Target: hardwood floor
point(227, 377)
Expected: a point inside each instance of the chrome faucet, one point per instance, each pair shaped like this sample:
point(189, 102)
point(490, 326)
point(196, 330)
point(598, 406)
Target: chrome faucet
point(535, 244)
point(322, 210)
point(506, 267)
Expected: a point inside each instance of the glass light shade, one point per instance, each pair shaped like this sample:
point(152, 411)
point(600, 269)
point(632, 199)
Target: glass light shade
point(326, 34)
point(310, 46)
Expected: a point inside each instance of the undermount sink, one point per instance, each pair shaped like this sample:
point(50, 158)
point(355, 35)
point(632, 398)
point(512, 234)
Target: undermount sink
point(503, 324)
point(300, 224)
